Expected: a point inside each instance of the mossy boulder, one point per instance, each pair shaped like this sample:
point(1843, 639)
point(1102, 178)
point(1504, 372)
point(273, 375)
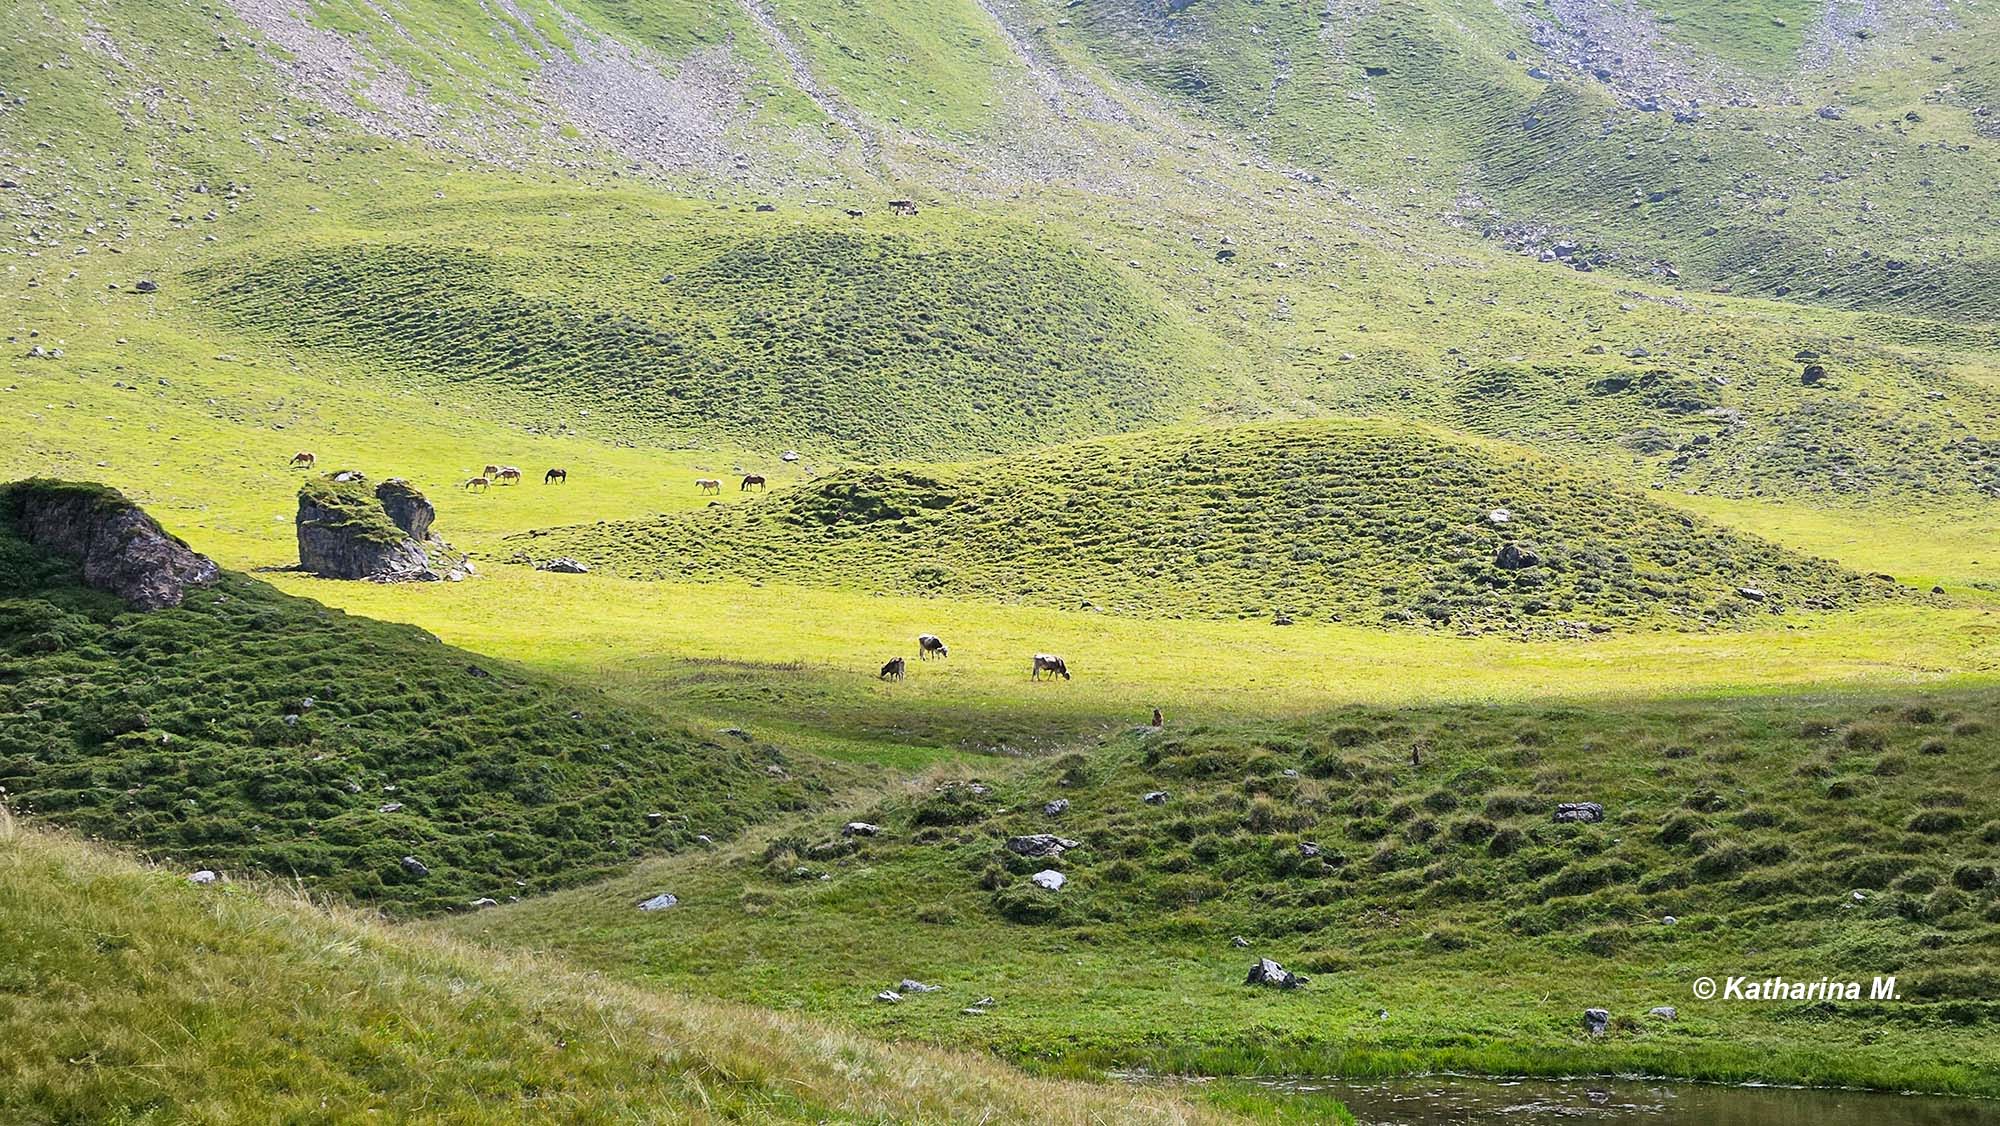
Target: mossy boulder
point(120, 549)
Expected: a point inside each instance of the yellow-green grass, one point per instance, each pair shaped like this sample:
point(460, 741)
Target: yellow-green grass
point(128, 995)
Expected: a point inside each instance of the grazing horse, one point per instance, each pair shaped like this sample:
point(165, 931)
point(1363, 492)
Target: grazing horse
point(928, 643)
point(750, 479)
point(893, 670)
point(559, 476)
point(508, 473)
point(490, 472)
point(305, 458)
point(708, 484)
point(478, 483)
point(1048, 663)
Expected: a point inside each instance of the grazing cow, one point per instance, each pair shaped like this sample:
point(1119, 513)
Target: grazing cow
point(305, 458)
point(708, 484)
point(928, 643)
point(508, 473)
point(1047, 663)
point(750, 479)
point(479, 483)
point(893, 670)
point(559, 476)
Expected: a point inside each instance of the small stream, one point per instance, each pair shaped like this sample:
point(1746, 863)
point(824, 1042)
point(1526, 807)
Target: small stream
point(1446, 1100)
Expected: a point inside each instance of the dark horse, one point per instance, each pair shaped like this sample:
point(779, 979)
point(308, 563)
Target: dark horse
point(756, 479)
point(560, 476)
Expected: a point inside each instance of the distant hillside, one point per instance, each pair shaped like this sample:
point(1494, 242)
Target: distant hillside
point(873, 338)
point(1345, 521)
point(249, 731)
point(132, 996)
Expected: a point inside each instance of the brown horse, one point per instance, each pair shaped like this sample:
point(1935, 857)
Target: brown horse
point(559, 476)
point(750, 479)
point(708, 484)
point(507, 473)
point(893, 670)
point(490, 472)
point(304, 458)
point(478, 483)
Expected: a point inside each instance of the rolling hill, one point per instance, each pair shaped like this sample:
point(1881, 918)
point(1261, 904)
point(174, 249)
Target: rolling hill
point(1353, 521)
point(249, 731)
point(1411, 862)
point(127, 995)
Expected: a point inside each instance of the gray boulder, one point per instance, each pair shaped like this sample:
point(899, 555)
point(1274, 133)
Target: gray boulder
point(1588, 812)
point(1049, 879)
point(121, 550)
point(1057, 807)
point(859, 829)
point(203, 878)
point(1517, 557)
point(563, 565)
point(1039, 844)
point(345, 532)
point(1267, 972)
point(416, 867)
point(406, 508)
point(660, 902)
point(1155, 797)
point(1664, 1012)
point(911, 985)
point(1596, 1021)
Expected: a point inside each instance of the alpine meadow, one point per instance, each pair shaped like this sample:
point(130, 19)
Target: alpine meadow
point(1080, 561)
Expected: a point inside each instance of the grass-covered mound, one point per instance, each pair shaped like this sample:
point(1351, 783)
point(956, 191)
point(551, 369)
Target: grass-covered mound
point(252, 731)
point(927, 339)
point(127, 995)
point(1446, 918)
point(1348, 521)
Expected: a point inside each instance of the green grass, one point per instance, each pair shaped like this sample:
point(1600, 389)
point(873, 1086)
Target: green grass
point(127, 995)
point(250, 731)
point(898, 337)
point(1442, 894)
point(1350, 522)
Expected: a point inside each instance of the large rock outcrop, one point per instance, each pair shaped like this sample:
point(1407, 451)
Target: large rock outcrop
point(120, 548)
point(349, 531)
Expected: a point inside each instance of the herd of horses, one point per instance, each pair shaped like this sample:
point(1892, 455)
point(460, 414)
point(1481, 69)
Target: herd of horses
point(930, 644)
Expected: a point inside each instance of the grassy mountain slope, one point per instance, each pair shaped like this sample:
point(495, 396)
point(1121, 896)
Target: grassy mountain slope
point(888, 337)
point(127, 996)
point(1585, 124)
point(251, 731)
point(1446, 919)
point(1358, 522)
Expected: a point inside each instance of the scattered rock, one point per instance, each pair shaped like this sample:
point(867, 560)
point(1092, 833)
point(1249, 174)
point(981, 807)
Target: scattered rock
point(1267, 972)
point(1240, 942)
point(482, 903)
point(1596, 1021)
point(1155, 797)
point(390, 807)
point(1309, 849)
point(203, 878)
point(1050, 879)
point(660, 902)
point(1516, 557)
point(477, 673)
point(912, 985)
point(1499, 516)
point(859, 829)
point(1813, 375)
point(121, 549)
point(1583, 811)
point(1752, 593)
point(416, 867)
point(1057, 807)
point(889, 997)
point(563, 565)
point(1039, 844)
point(1664, 1012)
point(147, 285)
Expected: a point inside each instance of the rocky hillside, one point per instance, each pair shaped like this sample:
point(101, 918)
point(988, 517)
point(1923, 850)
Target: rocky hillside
point(1356, 522)
point(246, 731)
